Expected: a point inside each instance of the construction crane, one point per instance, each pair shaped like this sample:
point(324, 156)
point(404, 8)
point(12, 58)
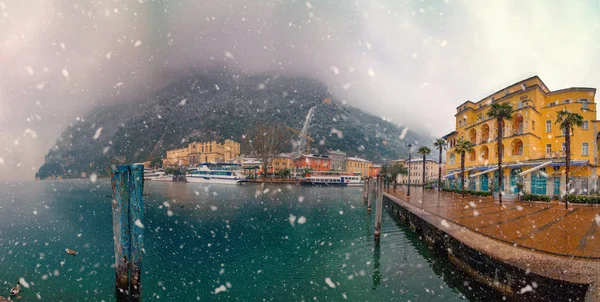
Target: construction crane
point(308, 138)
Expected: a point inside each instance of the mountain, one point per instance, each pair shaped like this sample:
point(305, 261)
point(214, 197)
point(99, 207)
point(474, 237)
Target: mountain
point(207, 107)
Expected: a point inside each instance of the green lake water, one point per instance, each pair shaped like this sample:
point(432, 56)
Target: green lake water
point(219, 243)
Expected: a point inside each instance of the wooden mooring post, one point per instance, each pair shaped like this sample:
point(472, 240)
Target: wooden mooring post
point(379, 207)
point(369, 196)
point(128, 230)
point(365, 189)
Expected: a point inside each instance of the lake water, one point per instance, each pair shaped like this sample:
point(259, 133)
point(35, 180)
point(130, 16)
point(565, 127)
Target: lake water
point(240, 241)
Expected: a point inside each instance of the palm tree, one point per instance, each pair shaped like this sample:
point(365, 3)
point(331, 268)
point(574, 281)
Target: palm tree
point(500, 112)
point(463, 147)
point(567, 121)
point(424, 151)
point(440, 144)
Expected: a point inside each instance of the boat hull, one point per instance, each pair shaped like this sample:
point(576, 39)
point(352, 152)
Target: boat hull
point(159, 179)
point(213, 180)
point(323, 184)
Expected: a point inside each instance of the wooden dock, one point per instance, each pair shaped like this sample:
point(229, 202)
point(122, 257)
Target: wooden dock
point(526, 238)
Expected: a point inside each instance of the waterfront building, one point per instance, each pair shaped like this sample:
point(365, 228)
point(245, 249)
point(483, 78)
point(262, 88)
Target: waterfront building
point(281, 162)
point(374, 170)
point(337, 158)
point(176, 157)
point(313, 162)
point(213, 152)
point(358, 165)
point(530, 140)
point(415, 168)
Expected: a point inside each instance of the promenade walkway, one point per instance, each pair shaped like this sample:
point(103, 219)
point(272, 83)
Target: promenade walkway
point(537, 226)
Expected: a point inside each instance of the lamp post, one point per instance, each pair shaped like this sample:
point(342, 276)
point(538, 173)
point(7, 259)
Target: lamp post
point(409, 158)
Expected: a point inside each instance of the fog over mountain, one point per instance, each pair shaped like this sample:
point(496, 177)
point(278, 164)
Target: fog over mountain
point(411, 62)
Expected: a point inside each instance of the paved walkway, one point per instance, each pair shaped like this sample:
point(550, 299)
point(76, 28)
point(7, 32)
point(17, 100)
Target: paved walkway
point(542, 227)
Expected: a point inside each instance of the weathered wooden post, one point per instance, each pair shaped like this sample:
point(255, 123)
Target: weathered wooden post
point(120, 211)
point(379, 208)
point(136, 212)
point(365, 189)
point(369, 197)
point(127, 209)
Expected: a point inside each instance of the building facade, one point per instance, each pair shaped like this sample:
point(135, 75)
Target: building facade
point(177, 157)
point(313, 162)
point(415, 168)
point(282, 162)
point(337, 158)
point(213, 152)
point(374, 171)
point(358, 165)
point(531, 140)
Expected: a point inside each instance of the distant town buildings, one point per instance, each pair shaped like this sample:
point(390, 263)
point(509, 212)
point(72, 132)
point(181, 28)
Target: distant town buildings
point(202, 152)
point(415, 168)
point(337, 159)
point(213, 152)
point(314, 162)
point(282, 162)
point(229, 151)
point(358, 165)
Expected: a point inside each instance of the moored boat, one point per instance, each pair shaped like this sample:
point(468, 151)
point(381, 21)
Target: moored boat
point(333, 181)
point(220, 173)
point(157, 175)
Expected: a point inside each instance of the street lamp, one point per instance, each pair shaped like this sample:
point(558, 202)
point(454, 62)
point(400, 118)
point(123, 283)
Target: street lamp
point(409, 158)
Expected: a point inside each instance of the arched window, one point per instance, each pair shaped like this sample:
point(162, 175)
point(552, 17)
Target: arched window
point(485, 152)
point(516, 147)
point(452, 158)
point(473, 136)
point(485, 133)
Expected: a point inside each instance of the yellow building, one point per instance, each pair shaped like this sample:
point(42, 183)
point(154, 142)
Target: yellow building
point(176, 157)
point(530, 140)
point(358, 165)
point(282, 162)
point(415, 169)
point(203, 152)
point(213, 152)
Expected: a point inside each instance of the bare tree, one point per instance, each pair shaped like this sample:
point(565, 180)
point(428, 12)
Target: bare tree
point(266, 142)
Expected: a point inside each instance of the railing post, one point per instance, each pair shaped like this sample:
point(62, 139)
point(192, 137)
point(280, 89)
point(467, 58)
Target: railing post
point(128, 212)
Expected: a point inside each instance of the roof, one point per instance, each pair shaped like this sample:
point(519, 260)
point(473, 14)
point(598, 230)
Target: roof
point(337, 152)
point(416, 159)
point(314, 156)
point(449, 134)
point(357, 159)
point(506, 87)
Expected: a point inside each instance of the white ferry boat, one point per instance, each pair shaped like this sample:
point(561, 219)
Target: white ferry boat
point(157, 175)
point(333, 181)
point(221, 173)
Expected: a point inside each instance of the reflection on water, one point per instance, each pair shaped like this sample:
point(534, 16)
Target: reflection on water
point(214, 242)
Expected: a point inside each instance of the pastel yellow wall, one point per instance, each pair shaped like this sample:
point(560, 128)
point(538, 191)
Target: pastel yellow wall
point(355, 166)
point(534, 104)
point(213, 151)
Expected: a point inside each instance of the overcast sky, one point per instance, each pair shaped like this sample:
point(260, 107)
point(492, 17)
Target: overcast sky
point(410, 61)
